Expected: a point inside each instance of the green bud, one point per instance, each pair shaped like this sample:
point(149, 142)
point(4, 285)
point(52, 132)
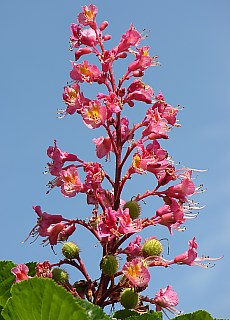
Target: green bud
point(129, 299)
point(134, 209)
point(70, 250)
point(109, 265)
point(59, 275)
point(152, 247)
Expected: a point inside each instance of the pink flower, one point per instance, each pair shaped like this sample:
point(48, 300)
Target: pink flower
point(94, 115)
point(45, 220)
point(138, 90)
point(59, 158)
point(143, 60)
point(166, 298)
point(170, 215)
point(21, 272)
point(157, 126)
point(183, 189)
point(107, 226)
point(103, 146)
point(71, 183)
point(131, 38)
point(136, 272)
point(87, 16)
point(53, 233)
point(94, 176)
point(190, 257)
point(134, 249)
point(127, 225)
point(112, 102)
point(43, 270)
point(85, 73)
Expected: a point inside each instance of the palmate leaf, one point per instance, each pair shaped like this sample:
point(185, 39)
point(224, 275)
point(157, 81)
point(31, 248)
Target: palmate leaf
point(6, 280)
point(41, 298)
point(197, 315)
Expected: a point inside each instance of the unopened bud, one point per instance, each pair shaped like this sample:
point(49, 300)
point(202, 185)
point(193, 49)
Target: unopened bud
point(134, 209)
point(152, 247)
point(122, 55)
point(138, 73)
point(107, 37)
point(70, 250)
point(80, 52)
point(109, 265)
point(104, 25)
point(129, 298)
point(59, 275)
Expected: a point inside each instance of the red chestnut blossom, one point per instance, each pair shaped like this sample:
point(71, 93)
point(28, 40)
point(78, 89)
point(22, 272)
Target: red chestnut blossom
point(71, 183)
point(94, 115)
point(138, 90)
point(190, 257)
point(85, 72)
point(143, 60)
point(59, 158)
point(87, 16)
point(183, 189)
point(107, 226)
point(170, 215)
point(134, 249)
point(166, 111)
point(157, 126)
point(103, 146)
point(21, 272)
point(112, 102)
point(167, 299)
point(45, 220)
point(43, 270)
point(136, 272)
point(85, 37)
point(127, 225)
point(131, 38)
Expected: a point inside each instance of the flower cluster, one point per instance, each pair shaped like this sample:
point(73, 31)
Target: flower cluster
point(136, 150)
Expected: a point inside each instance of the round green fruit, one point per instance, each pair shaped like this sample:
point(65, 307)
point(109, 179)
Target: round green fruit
point(134, 209)
point(109, 265)
point(129, 299)
point(59, 275)
point(152, 247)
point(70, 250)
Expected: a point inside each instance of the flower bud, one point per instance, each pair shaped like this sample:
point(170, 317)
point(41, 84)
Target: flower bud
point(129, 298)
point(109, 265)
point(60, 276)
point(134, 209)
point(106, 37)
point(103, 25)
point(152, 247)
point(70, 250)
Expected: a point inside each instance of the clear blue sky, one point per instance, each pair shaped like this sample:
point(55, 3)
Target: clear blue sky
point(192, 41)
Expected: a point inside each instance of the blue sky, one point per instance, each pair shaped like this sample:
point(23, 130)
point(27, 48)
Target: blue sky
point(192, 41)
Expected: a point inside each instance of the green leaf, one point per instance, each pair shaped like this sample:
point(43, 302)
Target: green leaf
point(197, 315)
point(32, 270)
point(94, 312)
point(41, 298)
point(6, 280)
point(125, 313)
point(147, 316)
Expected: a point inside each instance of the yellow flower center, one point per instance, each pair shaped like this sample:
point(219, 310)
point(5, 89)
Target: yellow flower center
point(136, 161)
point(134, 271)
point(84, 70)
point(93, 113)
